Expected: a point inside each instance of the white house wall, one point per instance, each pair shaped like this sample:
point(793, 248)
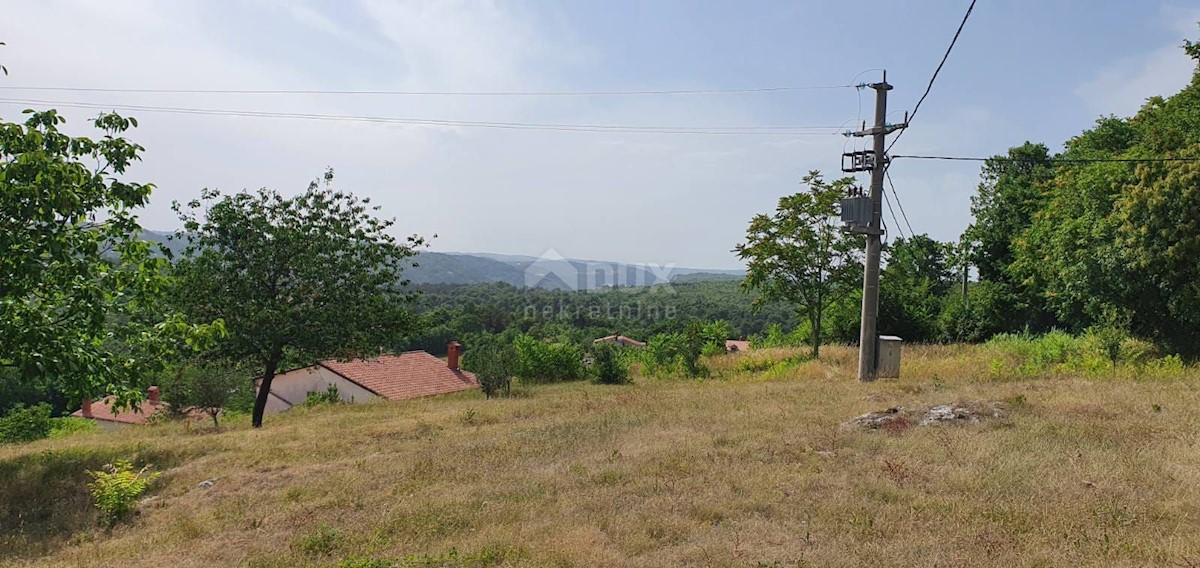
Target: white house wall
point(292, 388)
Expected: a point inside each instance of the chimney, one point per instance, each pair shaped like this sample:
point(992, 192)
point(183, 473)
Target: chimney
point(152, 394)
point(85, 408)
point(453, 350)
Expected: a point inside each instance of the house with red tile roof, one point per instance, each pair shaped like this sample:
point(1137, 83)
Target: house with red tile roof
point(412, 374)
point(109, 418)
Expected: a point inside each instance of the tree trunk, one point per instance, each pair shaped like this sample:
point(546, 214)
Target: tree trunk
point(816, 334)
point(264, 389)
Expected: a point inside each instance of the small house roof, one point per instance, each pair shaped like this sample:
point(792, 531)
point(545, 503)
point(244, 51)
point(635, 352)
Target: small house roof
point(412, 374)
point(620, 339)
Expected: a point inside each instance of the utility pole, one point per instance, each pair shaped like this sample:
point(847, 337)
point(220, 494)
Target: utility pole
point(867, 336)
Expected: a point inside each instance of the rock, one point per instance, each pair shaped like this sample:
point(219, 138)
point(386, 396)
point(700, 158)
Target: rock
point(207, 483)
point(898, 419)
point(148, 501)
point(877, 420)
point(969, 412)
point(947, 413)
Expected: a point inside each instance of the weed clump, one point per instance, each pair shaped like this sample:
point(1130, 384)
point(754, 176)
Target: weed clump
point(116, 488)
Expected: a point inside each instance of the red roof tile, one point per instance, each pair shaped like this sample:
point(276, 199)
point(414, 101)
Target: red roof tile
point(102, 410)
point(412, 374)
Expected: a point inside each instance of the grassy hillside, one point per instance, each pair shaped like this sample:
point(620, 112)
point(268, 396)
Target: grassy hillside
point(753, 469)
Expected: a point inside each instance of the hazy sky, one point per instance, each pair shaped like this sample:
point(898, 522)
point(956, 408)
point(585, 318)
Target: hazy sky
point(1038, 70)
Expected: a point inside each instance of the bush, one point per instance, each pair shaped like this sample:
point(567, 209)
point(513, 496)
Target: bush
point(774, 336)
point(548, 362)
point(493, 364)
point(322, 542)
point(70, 425)
point(25, 424)
point(330, 396)
point(677, 353)
point(607, 366)
point(116, 489)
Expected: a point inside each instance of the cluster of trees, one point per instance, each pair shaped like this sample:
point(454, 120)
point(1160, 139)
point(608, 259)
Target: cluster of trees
point(1104, 234)
point(88, 308)
point(464, 311)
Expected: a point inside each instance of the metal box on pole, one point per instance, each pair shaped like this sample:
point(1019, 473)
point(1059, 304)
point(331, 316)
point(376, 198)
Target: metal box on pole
point(887, 353)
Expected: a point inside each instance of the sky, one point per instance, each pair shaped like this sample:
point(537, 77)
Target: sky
point(1038, 70)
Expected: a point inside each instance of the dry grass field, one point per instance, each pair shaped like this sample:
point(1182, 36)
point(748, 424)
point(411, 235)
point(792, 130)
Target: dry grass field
point(751, 468)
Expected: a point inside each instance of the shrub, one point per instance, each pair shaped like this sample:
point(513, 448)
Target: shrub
point(774, 336)
point(494, 365)
point(1111, 334)
point(547, 362)
point(330, 396)
point(116, 489)
point(671, 353)
point(25, 424)
point(70, 425)
point(321, 542)
point(608, 367)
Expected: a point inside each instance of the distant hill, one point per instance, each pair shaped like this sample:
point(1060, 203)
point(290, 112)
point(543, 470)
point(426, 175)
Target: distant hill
point(442, 268)
point(553, 273)
point(707, 277)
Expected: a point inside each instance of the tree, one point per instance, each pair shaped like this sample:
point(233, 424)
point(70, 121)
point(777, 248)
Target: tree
point(912, 288)
point(607, 365)
point(494, 363)
point(314, 276)
point(205, 388)
point(799, 254)
point(81, 294)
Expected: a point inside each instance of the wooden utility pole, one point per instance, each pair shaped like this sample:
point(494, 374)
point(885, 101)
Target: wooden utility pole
point(868, 334)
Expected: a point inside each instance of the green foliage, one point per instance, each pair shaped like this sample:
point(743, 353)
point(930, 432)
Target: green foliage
point(608, 368)
point(314, 276)
point(208, 388)
point(25, 424)
point(775, 336)
point(677, 353)
point(1088, 235)
point(116, 488)
point(799, 254)
point(329, 396)
point(324, 541)
point(494, 362)
point(69, 425)
point(82, 300)
point(983, 313)
point(1059, 352)
point(548, 361)
point(913, 288)
point(1112, 334)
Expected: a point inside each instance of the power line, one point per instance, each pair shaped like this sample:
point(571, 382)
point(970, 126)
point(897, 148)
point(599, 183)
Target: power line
point(933, 78)
point(703, 130)
point(1050, 160)
point(751, 90)
point(888, 175)
point(899, 229)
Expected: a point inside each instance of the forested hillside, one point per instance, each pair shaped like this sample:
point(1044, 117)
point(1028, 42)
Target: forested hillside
point(464, 311)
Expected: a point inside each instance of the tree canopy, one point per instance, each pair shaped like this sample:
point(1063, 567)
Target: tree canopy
point(81, 294)
point(799, 255)
point(299, 278)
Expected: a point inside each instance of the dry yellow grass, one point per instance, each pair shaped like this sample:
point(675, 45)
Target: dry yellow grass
point(749, 470)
